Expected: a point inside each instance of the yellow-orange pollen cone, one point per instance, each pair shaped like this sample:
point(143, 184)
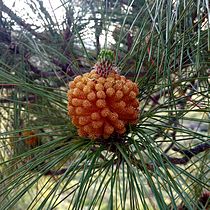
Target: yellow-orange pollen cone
point(30, 138)
point(102, 102)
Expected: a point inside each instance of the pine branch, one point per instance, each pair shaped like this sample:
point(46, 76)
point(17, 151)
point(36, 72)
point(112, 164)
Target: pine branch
point(19, 20)
point(8, 86)
point(5, 36)
point(55, 173)
point(188, 153)
point(47, 74)
point(184, 160)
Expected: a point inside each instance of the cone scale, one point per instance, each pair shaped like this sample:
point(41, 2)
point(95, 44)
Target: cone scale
point(102, 102)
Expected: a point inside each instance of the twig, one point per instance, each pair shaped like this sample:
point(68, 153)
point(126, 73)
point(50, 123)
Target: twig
point(169, 147)
point(7, 85)
point(178, 161)
point(56, 173)
point(129, 41)
point(19, 20)
point(66, 69)
point(5, 36)
point(194, 151)
point(188, 153)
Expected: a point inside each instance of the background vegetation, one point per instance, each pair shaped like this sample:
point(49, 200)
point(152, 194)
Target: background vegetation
point(162, 162)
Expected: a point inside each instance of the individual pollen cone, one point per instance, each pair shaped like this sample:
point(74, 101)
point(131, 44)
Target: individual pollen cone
point(30, 138)
point(102, 102)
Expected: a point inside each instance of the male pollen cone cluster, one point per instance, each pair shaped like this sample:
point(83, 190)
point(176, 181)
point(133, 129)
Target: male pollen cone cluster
point(102, 102)
point(30, 138)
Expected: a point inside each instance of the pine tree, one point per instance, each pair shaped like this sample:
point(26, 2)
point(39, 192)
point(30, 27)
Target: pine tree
point(160, 160)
